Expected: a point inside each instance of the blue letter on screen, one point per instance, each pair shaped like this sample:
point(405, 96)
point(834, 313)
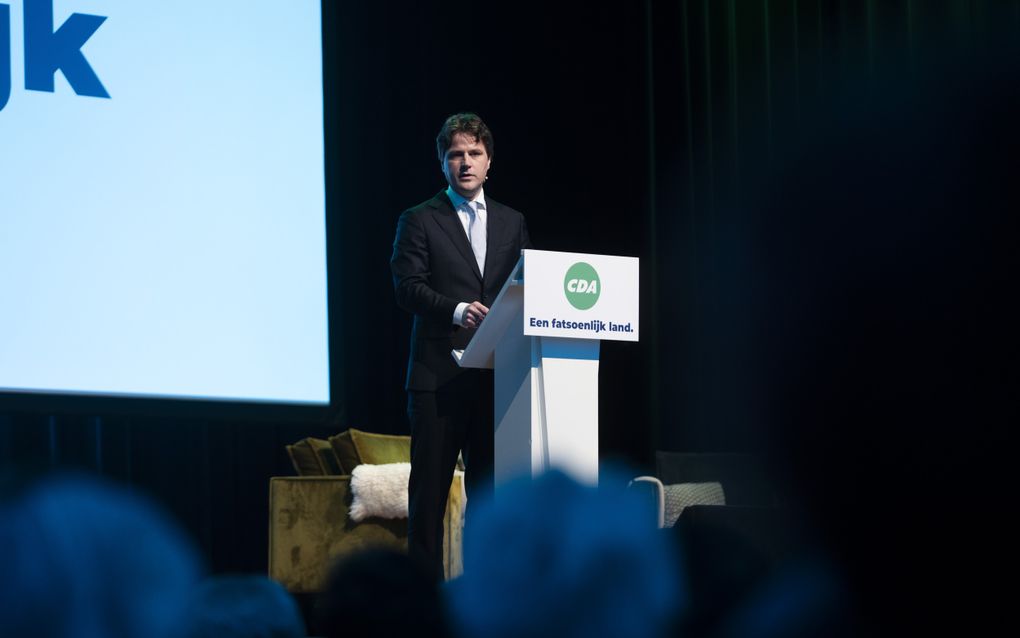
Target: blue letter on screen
point(47, 50)
point(5, 55)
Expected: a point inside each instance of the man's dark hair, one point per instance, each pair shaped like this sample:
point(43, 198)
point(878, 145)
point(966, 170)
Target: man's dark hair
point(467, 123)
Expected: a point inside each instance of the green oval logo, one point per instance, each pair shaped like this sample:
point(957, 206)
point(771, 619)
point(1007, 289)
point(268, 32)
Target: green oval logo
point(582, 286)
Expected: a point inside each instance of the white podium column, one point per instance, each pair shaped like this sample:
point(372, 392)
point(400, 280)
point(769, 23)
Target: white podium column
point(565, 418)
point(542, 339)
point(546, 404)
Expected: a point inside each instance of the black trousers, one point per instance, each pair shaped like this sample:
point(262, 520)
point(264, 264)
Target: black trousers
point(457, 417)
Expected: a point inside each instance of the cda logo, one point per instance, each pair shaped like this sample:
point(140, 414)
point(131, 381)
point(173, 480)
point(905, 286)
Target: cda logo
point(582, 286)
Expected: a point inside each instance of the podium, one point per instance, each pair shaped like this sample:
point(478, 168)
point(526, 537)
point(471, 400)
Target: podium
point(541, 337)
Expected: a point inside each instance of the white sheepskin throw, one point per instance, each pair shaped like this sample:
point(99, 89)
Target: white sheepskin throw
point(379, 490)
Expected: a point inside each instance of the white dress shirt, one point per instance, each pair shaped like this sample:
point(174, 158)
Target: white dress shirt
point(461, 205)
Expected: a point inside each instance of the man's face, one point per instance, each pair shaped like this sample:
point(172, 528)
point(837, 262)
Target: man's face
point(465, 165)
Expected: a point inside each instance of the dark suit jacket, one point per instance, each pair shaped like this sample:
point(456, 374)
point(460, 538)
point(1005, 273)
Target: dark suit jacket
point(434, 270)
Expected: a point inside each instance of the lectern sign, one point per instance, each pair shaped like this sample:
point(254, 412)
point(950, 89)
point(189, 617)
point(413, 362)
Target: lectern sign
point(580, 296)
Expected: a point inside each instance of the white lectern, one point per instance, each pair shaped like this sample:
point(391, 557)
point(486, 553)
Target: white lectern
point(542, 338)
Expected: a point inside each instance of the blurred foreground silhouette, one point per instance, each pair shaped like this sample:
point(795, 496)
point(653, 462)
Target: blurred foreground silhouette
point(86, 559)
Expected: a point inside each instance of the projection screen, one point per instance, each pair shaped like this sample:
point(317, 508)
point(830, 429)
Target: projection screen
point(166, 239)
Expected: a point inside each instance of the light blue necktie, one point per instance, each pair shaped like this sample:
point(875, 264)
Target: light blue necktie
point(476, 232)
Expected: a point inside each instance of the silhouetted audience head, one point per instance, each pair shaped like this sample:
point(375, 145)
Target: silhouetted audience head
point(242, 607)
point(383, 593)
point(84, 559)
point(550, 557)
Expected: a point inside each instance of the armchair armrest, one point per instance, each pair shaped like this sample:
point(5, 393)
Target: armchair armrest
point(652, 491)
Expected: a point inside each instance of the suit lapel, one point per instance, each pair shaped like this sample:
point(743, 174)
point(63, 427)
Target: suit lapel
point(448, 220)
point(494, 228)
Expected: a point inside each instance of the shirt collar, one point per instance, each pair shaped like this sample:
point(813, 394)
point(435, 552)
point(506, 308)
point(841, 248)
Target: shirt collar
point(458, 200)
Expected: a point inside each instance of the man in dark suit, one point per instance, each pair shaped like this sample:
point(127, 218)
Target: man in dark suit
point(451, 256)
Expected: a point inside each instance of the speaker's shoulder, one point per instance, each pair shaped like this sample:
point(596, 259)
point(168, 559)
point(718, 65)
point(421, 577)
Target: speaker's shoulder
point(438, 202)
point(499, 208)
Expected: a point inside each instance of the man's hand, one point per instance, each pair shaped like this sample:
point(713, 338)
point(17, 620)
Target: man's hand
point(473, 315)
